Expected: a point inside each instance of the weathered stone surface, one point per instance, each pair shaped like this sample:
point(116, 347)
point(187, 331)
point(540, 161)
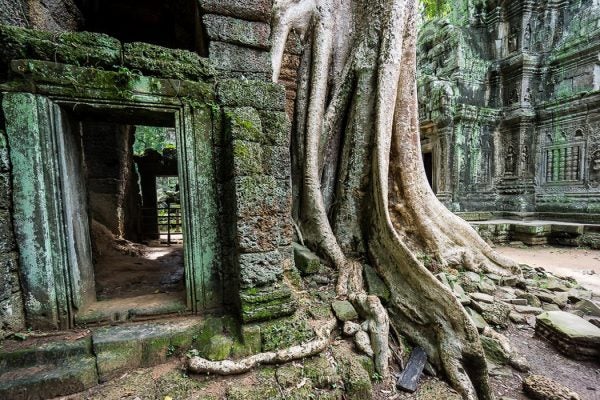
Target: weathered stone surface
point(49, 381)
point(261, 95)
point(258, 234)
point(588, 307)
point(375, 284)
point(276, 127)
point(529, 310)
point(356, 378)
point(350, 328)
point(237, 31)
point(261, 195)
point(7, 242)
point(259, 10)
point(260, 269)
point(167, 63)
point(306, 261)
point(573, 335)
point(243, 123)
point(267, 303)
point(363, 343)
point(494, 351)
point(478, 320)
point(77, 48)
point(344, 311)
point(540, 387)
point(277, 161)
point(485, 298)
point(219, 348)
point(247, 158)
point(496, 313)
point(231, 57)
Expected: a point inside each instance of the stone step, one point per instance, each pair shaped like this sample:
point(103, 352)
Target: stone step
point(42, 351)
point(46, 381)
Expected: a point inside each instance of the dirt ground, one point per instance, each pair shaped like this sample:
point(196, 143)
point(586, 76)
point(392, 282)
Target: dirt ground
point(158, 270)
point(579, 263)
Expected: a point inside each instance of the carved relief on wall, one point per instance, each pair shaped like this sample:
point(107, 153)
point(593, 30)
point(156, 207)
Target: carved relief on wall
point(563, 155)
point(509, 161)
point(593, 160)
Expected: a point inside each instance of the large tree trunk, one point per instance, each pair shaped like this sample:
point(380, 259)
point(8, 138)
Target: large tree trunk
point(370, 197)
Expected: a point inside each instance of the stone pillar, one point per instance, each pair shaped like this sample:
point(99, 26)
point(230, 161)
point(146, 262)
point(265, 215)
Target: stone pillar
point(11, 303)
point(258, 195)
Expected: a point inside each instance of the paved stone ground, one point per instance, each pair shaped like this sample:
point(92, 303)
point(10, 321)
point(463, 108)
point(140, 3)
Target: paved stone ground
point(579, 263)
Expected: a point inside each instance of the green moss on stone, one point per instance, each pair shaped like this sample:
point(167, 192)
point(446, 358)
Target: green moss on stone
point(258, 94)
point(285, 333)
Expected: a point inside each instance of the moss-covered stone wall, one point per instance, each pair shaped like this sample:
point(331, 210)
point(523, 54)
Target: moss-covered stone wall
point(510, 94)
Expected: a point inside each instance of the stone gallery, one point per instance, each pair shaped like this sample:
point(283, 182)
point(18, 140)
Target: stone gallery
point(192, 189)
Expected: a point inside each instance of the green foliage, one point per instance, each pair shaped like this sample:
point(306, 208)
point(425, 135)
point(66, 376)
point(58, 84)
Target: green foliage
point(151, 137)
point(435, 8)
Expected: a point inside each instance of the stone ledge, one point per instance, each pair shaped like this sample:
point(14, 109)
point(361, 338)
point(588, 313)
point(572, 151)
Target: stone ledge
point(572, 335)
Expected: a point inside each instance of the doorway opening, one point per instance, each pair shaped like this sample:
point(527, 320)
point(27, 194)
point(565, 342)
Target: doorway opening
point(428, 164)
point(132, 178)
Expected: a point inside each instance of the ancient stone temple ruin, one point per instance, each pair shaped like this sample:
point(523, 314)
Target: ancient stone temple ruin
point(509, 110)
point(72, 105)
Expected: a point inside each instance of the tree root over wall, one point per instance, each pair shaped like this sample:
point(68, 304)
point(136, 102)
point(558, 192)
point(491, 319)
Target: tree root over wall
point(364, 192)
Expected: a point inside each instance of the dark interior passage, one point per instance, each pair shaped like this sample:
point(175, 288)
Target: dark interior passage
point(121, 164)
point(428, 164)
point(174, 23)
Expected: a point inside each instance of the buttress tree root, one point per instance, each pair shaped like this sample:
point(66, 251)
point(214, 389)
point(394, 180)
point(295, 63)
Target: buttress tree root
point(362, 192)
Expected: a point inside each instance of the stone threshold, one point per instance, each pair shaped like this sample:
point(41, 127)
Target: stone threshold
point(52, 364)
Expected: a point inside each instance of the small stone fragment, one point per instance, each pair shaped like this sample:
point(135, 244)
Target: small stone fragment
point(350, 328)
point(517, 318)
point(344, 310)
point(519, 363)
point(306, 261)
point(486, 298)
point(529, 310)
point(363, 343)
point(477, 319)
point(588, 307)
point(539, 387)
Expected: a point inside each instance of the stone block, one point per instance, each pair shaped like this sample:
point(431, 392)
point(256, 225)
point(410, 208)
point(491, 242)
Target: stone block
point(166, 63)
point(7, 242)
point(237, 31)
point(231, 57)
point(258, 233)
point(243, 123)
point(266, 304)
point(257, 94)
point(219, 348)
point(277, 161)
point(254, 10)
point(9, 279)
point(77, 48)
point(261, 195)
point(344, 310)
point(276, 127)
point(306, 261)
point(247, 158)
point(588, 307)
point(260, 269)
point(5, 192)
point(494, 351)
point(12, 314)
point(573, 335)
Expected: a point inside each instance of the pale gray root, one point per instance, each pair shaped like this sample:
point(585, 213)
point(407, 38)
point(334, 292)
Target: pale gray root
point(379, 326)
point(228, 367)
point(316, 228)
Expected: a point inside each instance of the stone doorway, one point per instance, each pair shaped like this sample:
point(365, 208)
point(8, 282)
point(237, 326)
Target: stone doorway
point(56, 201)
point(428, 164)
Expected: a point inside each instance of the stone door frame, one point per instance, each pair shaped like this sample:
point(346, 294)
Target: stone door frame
point(52, 281)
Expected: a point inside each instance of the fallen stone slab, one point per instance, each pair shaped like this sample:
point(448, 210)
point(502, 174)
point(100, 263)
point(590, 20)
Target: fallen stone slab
point(409, 378)
point(306, 261)
point(529, 310)
point(572, 335)
point(588, 307)
point(486, 298)
point(344, 310)
point(539, 387)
